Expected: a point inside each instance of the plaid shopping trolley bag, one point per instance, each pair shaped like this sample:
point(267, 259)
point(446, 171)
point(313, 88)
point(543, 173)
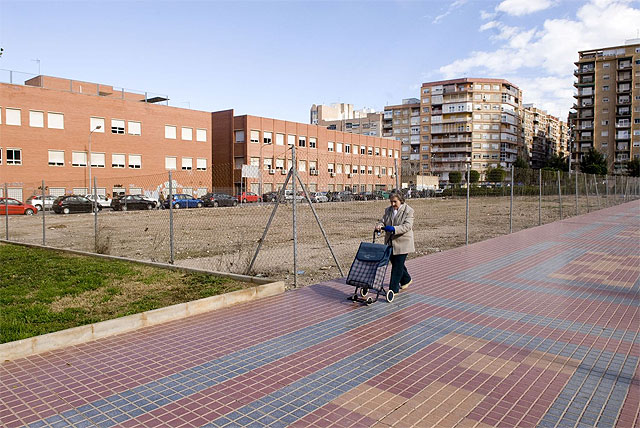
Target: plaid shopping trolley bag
point(368, 270)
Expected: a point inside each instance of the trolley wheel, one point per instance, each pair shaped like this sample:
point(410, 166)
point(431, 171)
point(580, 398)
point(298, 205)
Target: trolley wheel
point(369, 300)
point(390, 296)
point(364, 291)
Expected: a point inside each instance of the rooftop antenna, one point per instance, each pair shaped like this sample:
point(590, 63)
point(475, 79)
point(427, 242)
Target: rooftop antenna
point(38, 61)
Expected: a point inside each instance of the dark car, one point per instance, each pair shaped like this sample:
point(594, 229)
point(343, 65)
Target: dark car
point(132, 202)
point(270, 196)
point(342, 197)
point(14, 206)
point(219, 200)
point(185, 201)
point(73, 204)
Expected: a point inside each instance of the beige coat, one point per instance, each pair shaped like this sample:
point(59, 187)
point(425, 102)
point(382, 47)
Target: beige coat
point(402, 240)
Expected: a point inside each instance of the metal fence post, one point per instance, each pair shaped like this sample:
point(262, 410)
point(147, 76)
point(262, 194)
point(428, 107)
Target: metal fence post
point(586, 190)
point(511, 203)
point(540, 197)
point(606, 190)
point(595, 182)
point(576, 175)
point(615, 189)
point(626, 187)
point(294, 168)
point(170, 218)
point(466, 232)
point(6, 212)
point(559, 194)
point(95, 216)
point(43, 221)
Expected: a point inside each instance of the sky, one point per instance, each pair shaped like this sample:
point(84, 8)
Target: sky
point(277, 58)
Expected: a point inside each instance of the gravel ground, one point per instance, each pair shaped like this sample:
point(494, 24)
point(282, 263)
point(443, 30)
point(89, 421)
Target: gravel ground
point(225, 239)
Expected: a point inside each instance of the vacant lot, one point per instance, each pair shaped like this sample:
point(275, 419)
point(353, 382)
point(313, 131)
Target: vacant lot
point(42, 291)
point(225, 239)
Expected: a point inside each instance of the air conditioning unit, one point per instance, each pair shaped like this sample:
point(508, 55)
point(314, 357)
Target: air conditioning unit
point(349, 175)
point(272, 171)
point(314, 172)
point(379, 175)
point(283, 172)
point(333, 174)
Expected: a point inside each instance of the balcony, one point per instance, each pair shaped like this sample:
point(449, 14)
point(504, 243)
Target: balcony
point(623, 100)
point(449, 160)
point(457, 120)
point(623, 136)
point(446, 149)
point(508, 150)
point(623, 77)
point(623, 89)
point(626, 111)
point(583, 70)
point(623, 124)
point(626, 65)
point(451, 140)
point(622, 147)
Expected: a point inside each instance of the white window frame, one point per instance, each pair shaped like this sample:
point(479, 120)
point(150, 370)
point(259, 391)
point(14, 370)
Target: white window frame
point(279, 139)
point(201, 164)
point(255, 136)
point(201, 135)
point(116, 128)
point(169, 161)
point(95, 160)
point(94, 122)
point(134, 127)
point(13, 161)
point(170, 132)
point(186, 164)
point(36, 119)
point(267, 137)
point(55, 120)
point(313, 142)
point(132, 161)
point(79, 159)
point(13, 116)
point(186, 133)
point(330, 146)
point(119, 162)
point(56, 157)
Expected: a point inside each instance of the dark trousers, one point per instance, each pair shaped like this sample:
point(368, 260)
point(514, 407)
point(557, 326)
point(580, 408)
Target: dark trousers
point(399, 273)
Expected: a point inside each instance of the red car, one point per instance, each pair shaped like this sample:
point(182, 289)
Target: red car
point(248, 197)
point(15, 207)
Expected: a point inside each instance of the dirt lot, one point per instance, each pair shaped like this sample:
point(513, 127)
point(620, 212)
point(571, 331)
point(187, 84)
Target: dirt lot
point(225, 239)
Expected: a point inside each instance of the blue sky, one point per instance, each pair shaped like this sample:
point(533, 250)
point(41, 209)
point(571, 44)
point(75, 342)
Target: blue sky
point(275, 59)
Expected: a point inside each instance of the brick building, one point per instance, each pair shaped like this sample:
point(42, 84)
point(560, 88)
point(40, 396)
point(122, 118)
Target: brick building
point(46, 124)
point(327, 160)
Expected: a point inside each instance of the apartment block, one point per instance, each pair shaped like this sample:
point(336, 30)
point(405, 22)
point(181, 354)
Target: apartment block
point(47, 124)
point(326, 160)
point(402, 122)
point(469, 122)
point(370, 124)
point(337, 111)
point(543, 135)
point(608, 104)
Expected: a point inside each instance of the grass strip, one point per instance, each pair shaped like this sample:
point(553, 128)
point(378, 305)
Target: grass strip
point(42, 291)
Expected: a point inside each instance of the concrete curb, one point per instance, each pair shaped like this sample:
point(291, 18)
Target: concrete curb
point(86, 333)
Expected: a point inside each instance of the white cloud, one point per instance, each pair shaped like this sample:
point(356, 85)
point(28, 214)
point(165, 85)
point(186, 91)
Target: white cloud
point(453, 6)
point(523, 7)
point(547, 52)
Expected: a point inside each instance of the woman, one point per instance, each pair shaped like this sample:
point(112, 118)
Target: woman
point(397, 222)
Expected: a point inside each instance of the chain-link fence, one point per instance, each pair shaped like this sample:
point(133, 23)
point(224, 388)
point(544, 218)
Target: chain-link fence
point(219, 228)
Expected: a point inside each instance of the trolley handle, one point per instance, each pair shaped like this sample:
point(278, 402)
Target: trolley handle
point(375, 233)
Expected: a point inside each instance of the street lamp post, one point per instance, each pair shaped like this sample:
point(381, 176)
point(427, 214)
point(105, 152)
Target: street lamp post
point(89, 160)
point(261, 168)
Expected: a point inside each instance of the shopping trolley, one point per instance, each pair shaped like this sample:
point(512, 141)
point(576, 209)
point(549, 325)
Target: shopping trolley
point(368, 270)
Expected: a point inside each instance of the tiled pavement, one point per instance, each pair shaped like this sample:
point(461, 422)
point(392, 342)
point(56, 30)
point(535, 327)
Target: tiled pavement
point(538, 328)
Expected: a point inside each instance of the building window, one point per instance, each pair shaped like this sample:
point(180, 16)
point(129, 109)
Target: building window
point(377, 151)
point(201, 164)
point(605, 133)
point(239, 136)
point(338, 147)
point(117, 126)
point(347, 148)
point(201, 135)
point(55, 120)
point(80, 159)
point(96, 122)
point(302, 166)
point(312, 142)
point(97, 160)
point(36, 119)
point(370, 170)
point(363, 150)
point(135, 128)
point(56, 157)
point(280, 140)
point(267, 163)
point(338, 168)
point(330, 147)
point(605, 88)
point(170, 162)
point(135, 161)
point(291, 140)
point(605, 100)
point(280, 164)
point(187, 164)
point(330, 168)
point(266, 137)
point(117, 160)
point(302, 141)
point(170, 132)
point(254, 162)
point(186, 134)
point(13, 117)
point(255, 136)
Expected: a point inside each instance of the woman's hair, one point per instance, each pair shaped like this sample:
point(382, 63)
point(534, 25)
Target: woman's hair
point(398, 196)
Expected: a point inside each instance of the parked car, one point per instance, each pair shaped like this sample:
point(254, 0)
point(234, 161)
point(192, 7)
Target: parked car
point(248, 197)
point(270, 196)
point(36, 201)
point(14, 206)
point(319, 197)
point(102, 200)
point(288, 195)
point(185, 201)
point(341, 196)
point(73, 204)
point(219, 200)
point(132, 202)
